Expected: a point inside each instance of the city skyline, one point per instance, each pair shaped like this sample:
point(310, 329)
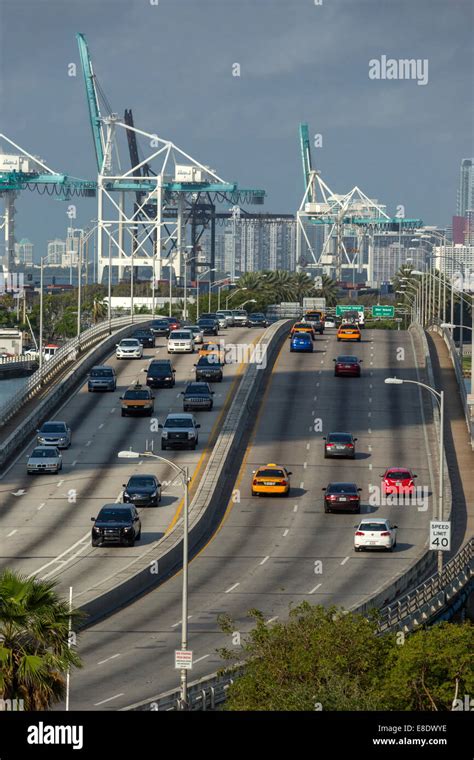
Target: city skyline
point(253, 137)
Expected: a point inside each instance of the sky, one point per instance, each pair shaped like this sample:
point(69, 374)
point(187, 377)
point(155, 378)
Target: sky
point(172, 62)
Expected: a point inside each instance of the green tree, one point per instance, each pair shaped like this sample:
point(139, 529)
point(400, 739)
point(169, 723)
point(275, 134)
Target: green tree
point(328, 290)
point(307, 663)
point(34, 651)
point(431, 669)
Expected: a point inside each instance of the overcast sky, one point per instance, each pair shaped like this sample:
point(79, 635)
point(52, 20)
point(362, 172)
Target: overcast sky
point(400, 141)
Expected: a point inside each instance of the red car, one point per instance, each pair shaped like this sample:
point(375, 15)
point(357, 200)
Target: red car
point(398, 480)
point(347, 365)
point(174, 323)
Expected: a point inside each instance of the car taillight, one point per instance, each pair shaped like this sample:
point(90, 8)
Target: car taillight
point(353, 498)
point(255, 482)
point(350, 445)
point(332, 497)
point(329, 445)
point(385, 533)
point(360, 533)
point(282, 483)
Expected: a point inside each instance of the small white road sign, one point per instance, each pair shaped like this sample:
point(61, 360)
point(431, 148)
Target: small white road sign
point(183, 659)
point(440, 536)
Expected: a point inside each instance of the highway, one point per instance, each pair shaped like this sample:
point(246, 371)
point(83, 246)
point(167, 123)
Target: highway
point(269, 553)
point(45, 519)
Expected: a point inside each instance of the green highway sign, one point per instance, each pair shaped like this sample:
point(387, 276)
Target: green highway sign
point(343, 308)
point(383, 311)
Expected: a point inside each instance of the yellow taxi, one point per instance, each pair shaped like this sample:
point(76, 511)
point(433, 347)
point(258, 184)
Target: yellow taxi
point(271, 479)
point(349, 332)
point(306, 327)
point(216, 349)
point(137, 399)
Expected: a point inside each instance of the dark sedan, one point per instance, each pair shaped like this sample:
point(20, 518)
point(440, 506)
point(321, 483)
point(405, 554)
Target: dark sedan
point(339, 445)
point(347, 366)
point(257, 320)
point(197, 396)
point(146, 338)
point(208, 368)
point(116, 524)
point(341, 496)
point(208, 326)
point(160, 327)
point(142, 490)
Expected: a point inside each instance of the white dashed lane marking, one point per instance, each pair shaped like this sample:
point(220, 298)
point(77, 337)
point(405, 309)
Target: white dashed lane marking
point(265, 559)
point(344, 560)
point(232, 588)
point(315, 588)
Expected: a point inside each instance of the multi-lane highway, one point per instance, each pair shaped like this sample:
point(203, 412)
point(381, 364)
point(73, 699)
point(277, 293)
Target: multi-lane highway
point(45, 519)
point(271, 552)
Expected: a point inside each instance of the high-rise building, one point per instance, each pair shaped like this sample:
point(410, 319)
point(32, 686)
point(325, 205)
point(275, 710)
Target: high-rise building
point(453, 259)
point(465, 199)
point(56, 251)
point(24, 252)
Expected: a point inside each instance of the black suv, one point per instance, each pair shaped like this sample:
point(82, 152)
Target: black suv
point(116, 524)
point(257, 320)
point(143, 490)
point(160, 327)
point(197, 396)
point(208, 368)
point(208, 326)
point(146, 338)
point(160, 374)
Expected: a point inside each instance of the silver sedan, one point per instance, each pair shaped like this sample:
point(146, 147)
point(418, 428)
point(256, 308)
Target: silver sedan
point(44, 459)
point(54, 434)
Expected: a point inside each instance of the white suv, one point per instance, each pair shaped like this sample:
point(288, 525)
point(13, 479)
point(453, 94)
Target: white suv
point(240, 317)
point(129, 348)
point(181, 341)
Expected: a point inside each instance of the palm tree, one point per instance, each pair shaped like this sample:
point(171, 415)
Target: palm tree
point(278, 283)
point(302, 285)
point(328, 290)
point(99, 309)
point(34, 650)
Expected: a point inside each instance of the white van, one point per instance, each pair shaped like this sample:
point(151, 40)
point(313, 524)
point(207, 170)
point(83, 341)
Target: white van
point(181, 342)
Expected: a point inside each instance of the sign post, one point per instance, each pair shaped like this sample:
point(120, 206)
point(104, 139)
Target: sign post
point(183, 659)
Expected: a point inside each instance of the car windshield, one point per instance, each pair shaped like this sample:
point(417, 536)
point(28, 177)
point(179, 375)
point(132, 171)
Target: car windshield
point(141, 482)
point(257, 316)
point(43, 453)
point(180, 336)
point(159, 369)
point(197, 388)
point(399, 475)
point(301, 325)
point(136, 395)
point(53, 427)
point(240, 313)
point(160, 323)
point(115, 515)
point(342, 488)
point(339, 438)
point(302, 337)
point(270, 473)
point(194, 328)
point(372, 526)
point(204, 321)
point(347, 359)
point(208, 361)
point(101, 373)
point(132, 342)
point(178, 422)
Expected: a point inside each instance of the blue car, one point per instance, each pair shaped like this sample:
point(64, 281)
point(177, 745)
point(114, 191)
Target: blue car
point(301, 342)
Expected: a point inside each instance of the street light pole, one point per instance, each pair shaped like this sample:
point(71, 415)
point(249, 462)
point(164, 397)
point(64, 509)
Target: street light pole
point(79, 293)
point(109, 309)
point(41, 317)
point(439, 395)
point(184, 472)
point(184, 614)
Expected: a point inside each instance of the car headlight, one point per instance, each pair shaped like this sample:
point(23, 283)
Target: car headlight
point(164, 434)
point(192, 435)
point(128, 529)
point(126, 494)
point(95, 530)
point(154, 493)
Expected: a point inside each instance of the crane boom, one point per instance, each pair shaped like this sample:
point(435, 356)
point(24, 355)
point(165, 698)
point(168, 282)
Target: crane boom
point(92, 100)
point(305, 154)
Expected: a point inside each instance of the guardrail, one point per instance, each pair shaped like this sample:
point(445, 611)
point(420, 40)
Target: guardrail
point(67, 353)
point(431, 597)
point(417, 607)
point(456, 362)
point(18, 359)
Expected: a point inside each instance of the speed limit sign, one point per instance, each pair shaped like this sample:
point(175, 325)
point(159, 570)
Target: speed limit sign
point(440, 536)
